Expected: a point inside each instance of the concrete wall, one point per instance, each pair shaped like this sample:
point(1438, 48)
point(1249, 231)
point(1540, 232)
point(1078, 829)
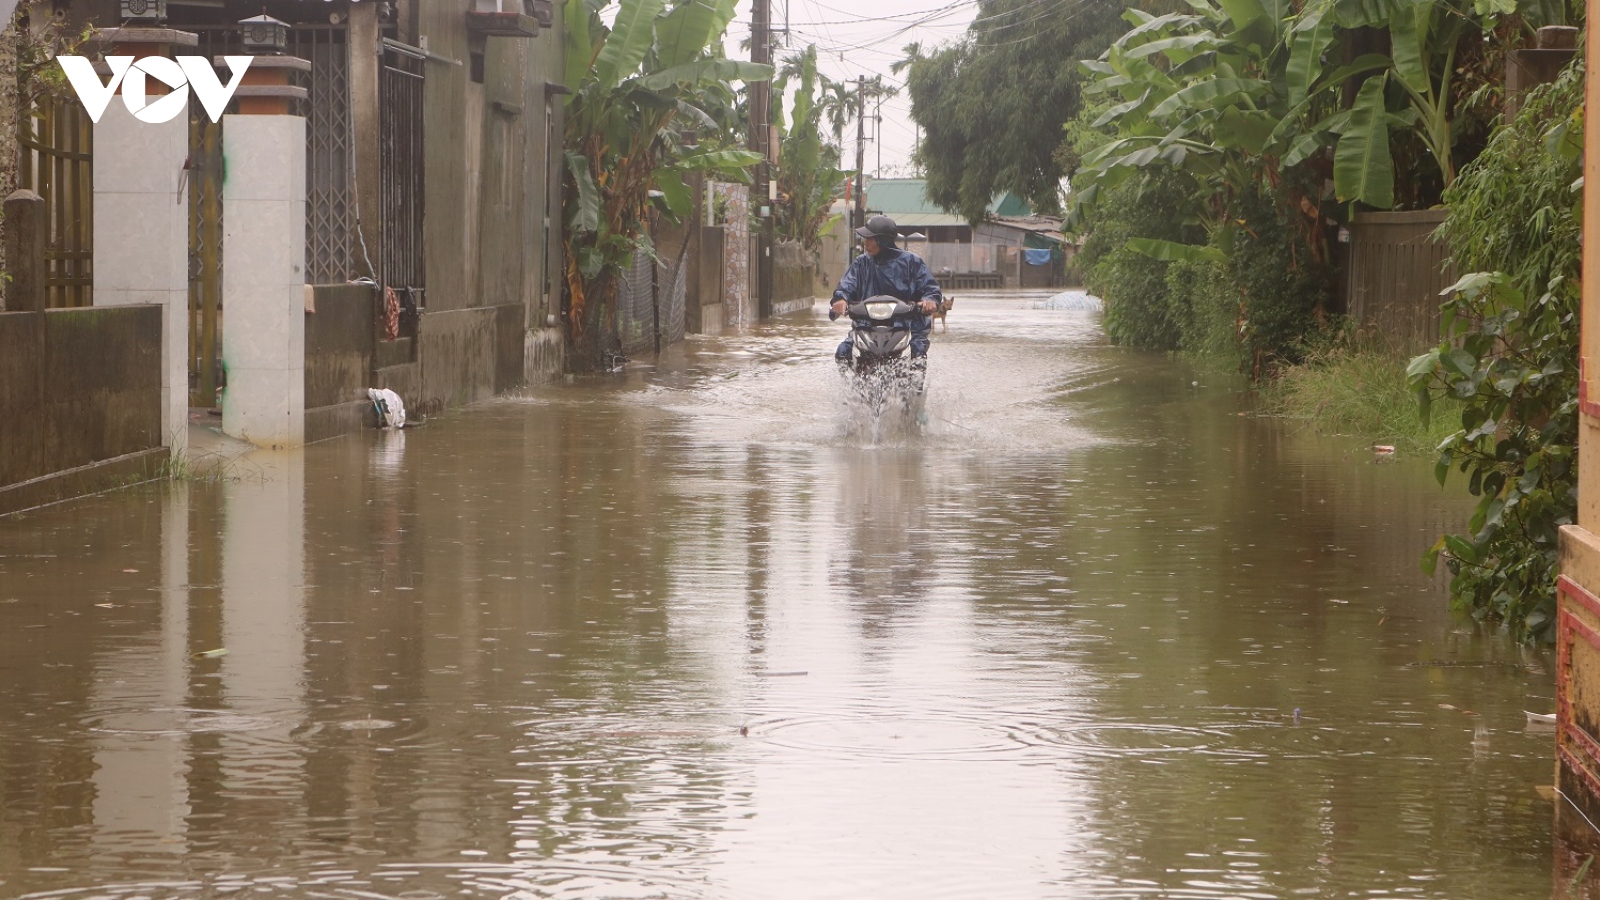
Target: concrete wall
point(796, 278)
point(719, 283)
point(141, 238)
point(491, 216)
point(80, 399)
point(944, 258)
point(732, 211)
point(340, 339)
point(703, 305)
point(1577, 674)
point(838, 248)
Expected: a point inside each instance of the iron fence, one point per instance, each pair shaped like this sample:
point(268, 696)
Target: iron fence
point(331, 242)
point(56, 162)
point(400, 92)
point(205, 171)
point(331, 239)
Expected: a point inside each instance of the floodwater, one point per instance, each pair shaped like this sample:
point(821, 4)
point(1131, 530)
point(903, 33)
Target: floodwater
point(701, 632)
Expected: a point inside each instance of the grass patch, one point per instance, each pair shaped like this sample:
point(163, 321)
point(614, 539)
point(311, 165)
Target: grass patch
point(1361, 393)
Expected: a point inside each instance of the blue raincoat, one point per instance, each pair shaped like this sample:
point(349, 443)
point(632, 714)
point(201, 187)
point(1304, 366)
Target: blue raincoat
point(898, 273)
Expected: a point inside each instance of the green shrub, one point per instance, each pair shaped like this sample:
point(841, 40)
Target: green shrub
point(1256, 305)
point(1510, 353)
point(1206, 305)
point(1282, 288)
point(1139, 309)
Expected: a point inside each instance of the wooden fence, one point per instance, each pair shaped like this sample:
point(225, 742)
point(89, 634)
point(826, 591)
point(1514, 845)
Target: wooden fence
point(1396, 273)
point(56, 163)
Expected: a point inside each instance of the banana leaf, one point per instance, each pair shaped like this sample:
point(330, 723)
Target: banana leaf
point(580, 52)
point(1171, 251)
point(1215, 92)
point(631, 37)
point(677, 195)
point(705, 71)
point(585, 214)
point(1305, 53)
point(685, 31)
point(1362, 166)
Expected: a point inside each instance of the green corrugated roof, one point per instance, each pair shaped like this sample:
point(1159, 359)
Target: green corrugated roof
point(908, 198)
point(1009, 204)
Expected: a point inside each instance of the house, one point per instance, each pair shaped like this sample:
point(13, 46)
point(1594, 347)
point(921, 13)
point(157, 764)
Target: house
point(422, 252)
point(992, 254)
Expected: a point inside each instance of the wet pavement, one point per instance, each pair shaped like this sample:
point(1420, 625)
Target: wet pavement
point(704, 632)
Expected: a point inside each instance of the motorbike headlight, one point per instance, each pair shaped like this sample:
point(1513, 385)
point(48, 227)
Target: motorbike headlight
point(880, 310)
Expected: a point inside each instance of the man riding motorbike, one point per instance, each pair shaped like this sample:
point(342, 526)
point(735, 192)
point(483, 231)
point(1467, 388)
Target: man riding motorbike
point(886, 269)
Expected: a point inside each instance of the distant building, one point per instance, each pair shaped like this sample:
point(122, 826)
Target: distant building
point(993, 254)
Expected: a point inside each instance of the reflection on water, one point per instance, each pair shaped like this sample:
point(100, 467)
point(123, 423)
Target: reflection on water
point(694, 634)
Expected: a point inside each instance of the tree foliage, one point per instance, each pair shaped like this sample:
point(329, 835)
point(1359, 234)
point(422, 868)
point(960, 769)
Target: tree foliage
point(1233, 91)
point(1141, 309)
point(1281, 118)
point(991, 106)
point(807, 172)
point(1510, 351)
point(637, 85)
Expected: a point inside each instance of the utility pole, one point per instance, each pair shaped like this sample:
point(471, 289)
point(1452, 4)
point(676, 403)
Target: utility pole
point(877, 135)
point(760, 142)
point(861, 151)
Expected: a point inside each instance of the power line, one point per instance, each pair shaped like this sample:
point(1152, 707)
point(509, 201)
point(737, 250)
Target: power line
point(1045, 9)
point(927, 13)
point(930, 16)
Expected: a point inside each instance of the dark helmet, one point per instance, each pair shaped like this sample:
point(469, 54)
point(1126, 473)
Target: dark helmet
point(880, 227)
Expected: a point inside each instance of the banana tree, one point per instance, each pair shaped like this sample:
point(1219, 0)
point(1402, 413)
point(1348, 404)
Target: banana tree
point(808, 173)
point(1231, 103)
point(1249, 75)
point(1206, 93)
point(637, 85)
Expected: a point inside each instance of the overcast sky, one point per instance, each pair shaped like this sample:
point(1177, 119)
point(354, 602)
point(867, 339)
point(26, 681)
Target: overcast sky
point(863, 38)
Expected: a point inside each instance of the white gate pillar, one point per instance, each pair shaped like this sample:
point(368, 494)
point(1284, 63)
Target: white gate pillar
point(263, 264)
point(141, 221)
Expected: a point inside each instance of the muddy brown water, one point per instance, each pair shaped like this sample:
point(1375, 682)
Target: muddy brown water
point(700, 632)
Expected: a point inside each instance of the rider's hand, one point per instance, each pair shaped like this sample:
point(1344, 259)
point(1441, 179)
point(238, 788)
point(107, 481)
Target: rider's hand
point(928, 306)
point(839, 307)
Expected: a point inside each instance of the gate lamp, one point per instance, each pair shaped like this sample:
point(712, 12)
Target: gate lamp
point(260, 34)
point(143, 11)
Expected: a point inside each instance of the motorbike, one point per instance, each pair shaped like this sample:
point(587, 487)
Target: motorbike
point(885, 376)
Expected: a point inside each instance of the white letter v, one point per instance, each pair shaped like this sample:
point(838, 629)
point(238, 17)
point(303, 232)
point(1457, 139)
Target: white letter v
point(208, 87)
point(95, 96)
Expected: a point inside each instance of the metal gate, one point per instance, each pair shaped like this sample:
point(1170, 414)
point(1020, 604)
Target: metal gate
point(56, 162)
point(650, 304)
point(331, 246)
point(205, 260)
point(400, 171)
point(330, 192)
point(330, 187)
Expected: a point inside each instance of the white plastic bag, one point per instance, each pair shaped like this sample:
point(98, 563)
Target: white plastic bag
point(391, 410)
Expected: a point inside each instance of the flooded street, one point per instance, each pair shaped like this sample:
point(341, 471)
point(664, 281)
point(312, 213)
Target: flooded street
point(700, 632)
